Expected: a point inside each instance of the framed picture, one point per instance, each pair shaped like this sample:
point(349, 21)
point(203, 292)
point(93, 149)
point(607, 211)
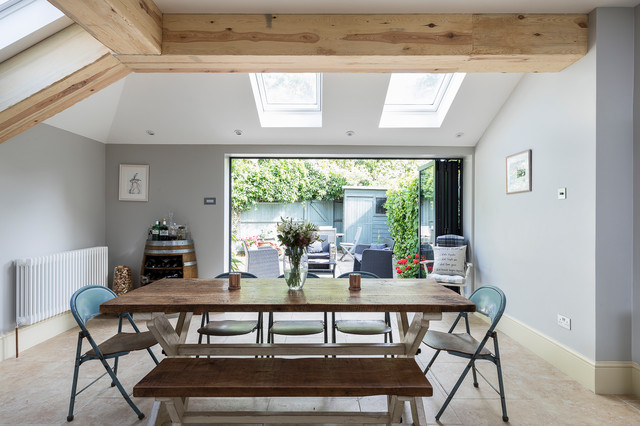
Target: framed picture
point(519, 172)
point(134, 182)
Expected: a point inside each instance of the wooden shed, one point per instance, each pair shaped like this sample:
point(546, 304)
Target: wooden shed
point(364, 206)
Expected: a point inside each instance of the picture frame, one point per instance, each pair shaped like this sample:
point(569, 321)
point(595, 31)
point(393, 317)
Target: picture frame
point(134, 182)
point(518, 170)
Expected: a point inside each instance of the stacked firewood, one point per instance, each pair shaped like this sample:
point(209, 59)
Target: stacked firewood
point(122, 279)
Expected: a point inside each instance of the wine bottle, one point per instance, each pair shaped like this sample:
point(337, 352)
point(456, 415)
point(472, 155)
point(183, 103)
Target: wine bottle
point(164, 231)
point(155, 231)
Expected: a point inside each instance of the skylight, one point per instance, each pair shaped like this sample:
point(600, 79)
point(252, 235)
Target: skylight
point(288, 99)
point(419, 99)
point(26, 22)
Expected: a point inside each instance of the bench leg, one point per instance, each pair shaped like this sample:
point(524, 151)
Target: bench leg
point(417, 411)
point(175, 407)
point(396, 407)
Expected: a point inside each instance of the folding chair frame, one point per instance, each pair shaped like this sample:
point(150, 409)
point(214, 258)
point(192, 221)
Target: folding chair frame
point(494, 358)
point(81, 359)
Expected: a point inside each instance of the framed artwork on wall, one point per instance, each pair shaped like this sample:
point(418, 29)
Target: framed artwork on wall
point(519, 172)
point(134, 182)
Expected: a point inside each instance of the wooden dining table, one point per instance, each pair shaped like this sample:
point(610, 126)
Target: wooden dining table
point(425, 299)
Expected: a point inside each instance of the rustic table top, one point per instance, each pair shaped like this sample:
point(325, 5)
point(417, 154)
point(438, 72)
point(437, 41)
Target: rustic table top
point(272, 295)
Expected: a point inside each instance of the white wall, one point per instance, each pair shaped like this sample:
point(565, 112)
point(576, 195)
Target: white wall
point(573, 256)
point(538, 249)
point(52, 199)
point(614, 182)
point(181, 176)
point(636, 194)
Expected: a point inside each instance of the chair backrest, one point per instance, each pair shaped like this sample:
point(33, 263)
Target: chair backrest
point(449, 240)
point(490, 301)
point(378, 261)
point(263, 262)
point(357, 236)
point(242, 275)
point(363, 274)
point(329, 232)
point(85, 302)
point(389, 242)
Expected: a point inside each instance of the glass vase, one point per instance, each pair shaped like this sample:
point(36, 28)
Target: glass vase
point(296, 266)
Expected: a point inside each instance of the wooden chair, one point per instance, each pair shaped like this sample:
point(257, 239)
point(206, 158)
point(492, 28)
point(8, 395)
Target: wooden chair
point(348, 248)
point(490, 301)
point(230, 327)
point(85, 305)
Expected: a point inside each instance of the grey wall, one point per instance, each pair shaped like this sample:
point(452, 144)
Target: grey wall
point(636, 194)
point(538, 249)
point(52, 191)
point(181, 176)
point(573, 256)
point(614, 183)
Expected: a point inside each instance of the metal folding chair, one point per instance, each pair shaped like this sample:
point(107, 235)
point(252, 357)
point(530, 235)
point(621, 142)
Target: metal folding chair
point(85, 304)
point(297, 327)
point(362, 327)
point(490, 301)
point(230, 327)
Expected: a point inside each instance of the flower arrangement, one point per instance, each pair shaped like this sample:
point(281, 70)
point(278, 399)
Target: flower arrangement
point(296, 234)
point(295, 237)
point(251, 241)
point(409, 267)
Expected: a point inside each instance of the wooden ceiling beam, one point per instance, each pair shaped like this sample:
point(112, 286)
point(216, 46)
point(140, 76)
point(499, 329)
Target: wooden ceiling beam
point(51, 76)
point(124, 26)
point(367, 43)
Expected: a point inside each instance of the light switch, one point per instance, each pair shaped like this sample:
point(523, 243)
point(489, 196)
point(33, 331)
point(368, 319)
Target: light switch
point(562, 193)
point(209, 201)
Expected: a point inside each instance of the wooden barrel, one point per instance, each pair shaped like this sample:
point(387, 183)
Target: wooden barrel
point(176, 259)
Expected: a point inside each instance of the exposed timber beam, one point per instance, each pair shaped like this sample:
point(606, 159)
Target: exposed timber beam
point(124, 26)
point(51, 76)
point(366, 43)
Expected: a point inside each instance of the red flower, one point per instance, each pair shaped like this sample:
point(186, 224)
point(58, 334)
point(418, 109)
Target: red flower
point(416, 261)
point(399, 270)
point(429, 268)
point(402, 261)
point(407, 268)
point(416, 256)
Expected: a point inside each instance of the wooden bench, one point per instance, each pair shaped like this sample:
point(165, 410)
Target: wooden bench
point(174, 380)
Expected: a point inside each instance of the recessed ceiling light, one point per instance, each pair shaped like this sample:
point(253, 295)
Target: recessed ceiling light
point(151, 132)
point(238, 132)
point(459, 134)
point(350, 133)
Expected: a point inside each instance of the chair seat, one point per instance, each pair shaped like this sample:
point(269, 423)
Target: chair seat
point(362, 327)
point(126, 342)
point(453, 342)
point(297, 328)
point(228, 328)
point(449, 279)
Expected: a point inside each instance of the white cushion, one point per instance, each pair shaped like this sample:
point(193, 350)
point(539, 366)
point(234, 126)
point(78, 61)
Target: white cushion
point(449, 260)
point(448, 279)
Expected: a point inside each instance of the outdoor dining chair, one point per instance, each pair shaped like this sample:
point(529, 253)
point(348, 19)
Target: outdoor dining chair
point(490, 301)
point(362, 327)
point(230, 327)
point(348, 248)
point(85, 305)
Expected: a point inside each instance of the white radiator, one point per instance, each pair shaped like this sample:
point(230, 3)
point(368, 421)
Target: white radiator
point(44, 284)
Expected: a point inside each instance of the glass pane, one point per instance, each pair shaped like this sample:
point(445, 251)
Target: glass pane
point(427, 210)
point(290, 89)
point(414, 89)
point(380, 209)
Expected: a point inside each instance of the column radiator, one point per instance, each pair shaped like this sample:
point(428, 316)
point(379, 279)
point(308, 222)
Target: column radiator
point(44, 284)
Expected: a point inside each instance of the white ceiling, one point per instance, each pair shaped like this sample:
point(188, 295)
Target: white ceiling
point(208, 108)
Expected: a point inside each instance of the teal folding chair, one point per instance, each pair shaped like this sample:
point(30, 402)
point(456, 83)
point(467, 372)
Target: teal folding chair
point(490, 301)
point(85, 304)
point(297, 327)
point(230, 327)
point(362, 327)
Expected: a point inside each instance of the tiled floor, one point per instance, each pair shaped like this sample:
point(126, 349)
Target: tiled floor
point(34, 389)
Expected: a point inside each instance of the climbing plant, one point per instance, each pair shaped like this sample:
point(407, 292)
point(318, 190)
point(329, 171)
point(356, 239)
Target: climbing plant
point(402, 216)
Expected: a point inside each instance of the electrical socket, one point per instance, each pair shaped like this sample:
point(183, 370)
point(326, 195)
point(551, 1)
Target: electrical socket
point(564, 322)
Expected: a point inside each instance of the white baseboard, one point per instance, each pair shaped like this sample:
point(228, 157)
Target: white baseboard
point(604, 377)
point(31, 335)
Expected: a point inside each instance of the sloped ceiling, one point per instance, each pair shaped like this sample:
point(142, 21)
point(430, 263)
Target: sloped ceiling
point(208, 108)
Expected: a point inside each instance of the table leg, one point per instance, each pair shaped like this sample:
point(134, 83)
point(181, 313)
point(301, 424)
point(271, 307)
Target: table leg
point(182, 326)
point(164, 332)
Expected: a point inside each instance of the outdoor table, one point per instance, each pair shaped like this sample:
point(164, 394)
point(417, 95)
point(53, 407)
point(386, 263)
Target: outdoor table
point(425, 298)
